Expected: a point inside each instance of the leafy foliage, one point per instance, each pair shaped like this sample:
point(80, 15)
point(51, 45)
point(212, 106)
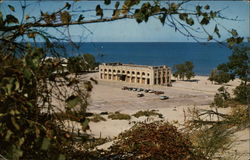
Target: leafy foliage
point(184, 70)
point(242, 93)
point(30, 128)
point(81, 64)
point(221, 98)
point(219, 76)
point(236, 67)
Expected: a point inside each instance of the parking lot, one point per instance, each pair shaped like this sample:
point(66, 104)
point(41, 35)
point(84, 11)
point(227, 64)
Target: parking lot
point(112, 96)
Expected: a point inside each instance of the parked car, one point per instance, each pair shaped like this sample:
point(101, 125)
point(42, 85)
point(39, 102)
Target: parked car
point(164, 97)
point(134, 89)
point(140, 95)
point(130, 88)
point(124, 88)
point(159, 92)
point(151, 91)
point(146, 90)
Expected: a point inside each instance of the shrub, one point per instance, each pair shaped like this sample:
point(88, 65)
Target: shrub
point(119, 116)
point(147, 113)
point(97, 118)
point(155, 140)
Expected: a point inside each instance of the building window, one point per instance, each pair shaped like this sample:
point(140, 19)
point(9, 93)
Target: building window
point(118, 71)
point(113, 70)
point(148, 74)
point(128, 72)
point(105, 70)
point(138, 73)
point(101, 69)
point(109, 70)
point(148, 81)
point(133, 72)
point(123, 71)
point(143, 73)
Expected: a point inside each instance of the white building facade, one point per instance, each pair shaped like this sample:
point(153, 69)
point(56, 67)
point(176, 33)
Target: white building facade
point(130, 73)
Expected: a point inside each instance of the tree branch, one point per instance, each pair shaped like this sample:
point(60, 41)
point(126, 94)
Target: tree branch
point(47, 25)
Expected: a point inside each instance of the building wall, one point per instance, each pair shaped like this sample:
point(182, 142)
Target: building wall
point(135, 74)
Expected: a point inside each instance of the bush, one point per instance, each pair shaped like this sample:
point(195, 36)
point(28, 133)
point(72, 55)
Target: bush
point(147, 113)
point(156, 140)
point(119, 116)
point(242, 93)
point(97, 118)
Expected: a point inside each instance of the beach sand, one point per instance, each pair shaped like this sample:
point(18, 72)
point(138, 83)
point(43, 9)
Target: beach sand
point(107, 96)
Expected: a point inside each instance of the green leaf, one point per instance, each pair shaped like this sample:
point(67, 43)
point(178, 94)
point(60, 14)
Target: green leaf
point(17, 86)
point(138, 16)
point(67, 5)
point(17, 153)
point(72, 101)
point(14, 112)
point(239, 40)
point(85, 124)
point(216, 30)
point(80, 18)
point(61, 157)
point(107, 2)
point(209, 38)
point(163, 19)
point(190, 21)
point(21, 141)
point(11, 8)
point(183, 16)
point(234, 32)
point(65, 17)
point(174, 6)
point(8, 134)
point(116, 13)
point(207, 7)
point(99, 11)
point(11, 19)
point(1, 19)
point(155, 9)
point(117, 4)
point(213, 14)
point(14, 123)
point(231, 41)
point(27, 73)
point(31, 34)
point(204, 21)
point(45, 144)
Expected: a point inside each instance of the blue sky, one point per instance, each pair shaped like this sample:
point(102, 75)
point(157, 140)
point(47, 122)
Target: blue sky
point(129, 30)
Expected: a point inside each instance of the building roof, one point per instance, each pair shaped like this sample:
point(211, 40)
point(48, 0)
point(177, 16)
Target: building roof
point(132, 65)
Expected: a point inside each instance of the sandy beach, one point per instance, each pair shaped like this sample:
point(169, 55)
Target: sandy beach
point(107, 96)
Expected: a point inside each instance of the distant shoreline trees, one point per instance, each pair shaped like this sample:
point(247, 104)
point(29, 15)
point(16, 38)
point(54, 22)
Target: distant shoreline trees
point(83, 63)
point(184, 70)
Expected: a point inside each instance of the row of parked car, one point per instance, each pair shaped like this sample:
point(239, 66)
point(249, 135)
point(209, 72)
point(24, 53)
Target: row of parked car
point(146, 91)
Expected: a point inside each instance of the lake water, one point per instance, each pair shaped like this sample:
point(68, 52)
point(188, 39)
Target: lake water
point(205, 56)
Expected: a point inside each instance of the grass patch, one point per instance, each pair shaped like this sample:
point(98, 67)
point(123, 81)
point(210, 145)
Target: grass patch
point(147, 113)
point(97, 118)
point(119, 116)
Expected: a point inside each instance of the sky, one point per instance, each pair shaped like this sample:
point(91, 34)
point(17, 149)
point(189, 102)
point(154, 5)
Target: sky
point(128, 30)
